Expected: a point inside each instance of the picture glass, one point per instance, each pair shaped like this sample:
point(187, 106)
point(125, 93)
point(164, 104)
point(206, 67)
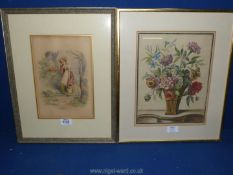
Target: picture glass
point(62, 67)
point(173, 76)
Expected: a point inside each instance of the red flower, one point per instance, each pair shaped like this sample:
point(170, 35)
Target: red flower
point(194, 88)
point(169, 95)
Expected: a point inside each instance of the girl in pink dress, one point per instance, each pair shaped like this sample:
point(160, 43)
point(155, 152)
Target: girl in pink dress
point(67, 80)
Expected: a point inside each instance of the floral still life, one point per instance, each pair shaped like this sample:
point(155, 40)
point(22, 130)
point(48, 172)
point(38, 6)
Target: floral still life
point(174, 72)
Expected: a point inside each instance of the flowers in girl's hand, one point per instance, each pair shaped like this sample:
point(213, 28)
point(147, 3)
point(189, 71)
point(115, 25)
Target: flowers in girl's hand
point(193, 47)
point(152, 82)
point(194, 88)
point(166, 60)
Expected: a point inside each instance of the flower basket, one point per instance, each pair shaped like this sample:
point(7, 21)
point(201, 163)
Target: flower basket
point(172, 107)
point(172, 102)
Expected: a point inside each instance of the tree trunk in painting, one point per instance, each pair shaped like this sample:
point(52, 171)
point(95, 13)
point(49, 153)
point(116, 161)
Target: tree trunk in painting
point(82, 84)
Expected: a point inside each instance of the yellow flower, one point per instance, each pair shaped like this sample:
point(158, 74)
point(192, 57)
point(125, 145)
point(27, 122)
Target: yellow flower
point(151, 82)
point(195, 73)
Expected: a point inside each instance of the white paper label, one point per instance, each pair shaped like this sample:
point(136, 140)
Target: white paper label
point(65, 122)
point(172, 129)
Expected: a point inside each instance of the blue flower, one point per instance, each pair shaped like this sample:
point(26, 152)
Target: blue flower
point(155, 57)
point(153, 63)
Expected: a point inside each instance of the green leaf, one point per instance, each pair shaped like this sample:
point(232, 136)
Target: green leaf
point(186, 82)
point(191, 62)
point(181, 74)
point(197, 98)
point(181, 52)
point(159, 93)
point(184, 64)
point(157, 72)
point(146, 58)
point(192, 99)
point(185, 93)
point(188, 100)
point(189, 52)
point(200, 61)
point(195, 58)
point(176, 59)
point(149, 54)
point(185, 53)
point(177, 93)
point(146, 76)
point(177, 51)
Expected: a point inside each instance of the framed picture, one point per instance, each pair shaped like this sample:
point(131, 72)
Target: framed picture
point(63, 76)
point(176, 71)
point(62, 71)
point(174, 88)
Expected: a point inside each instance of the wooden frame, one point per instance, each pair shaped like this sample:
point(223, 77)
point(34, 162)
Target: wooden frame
point(171, 125)
point(105, 128)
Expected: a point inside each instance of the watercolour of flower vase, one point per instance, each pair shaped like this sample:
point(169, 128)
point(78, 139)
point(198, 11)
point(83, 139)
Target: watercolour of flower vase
point(174, 72)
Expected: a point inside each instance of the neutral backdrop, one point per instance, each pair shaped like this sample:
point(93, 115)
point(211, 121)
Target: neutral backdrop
point(154, 158)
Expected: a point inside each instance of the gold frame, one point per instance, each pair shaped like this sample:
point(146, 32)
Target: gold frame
point(114, 72)
point(185, 11)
